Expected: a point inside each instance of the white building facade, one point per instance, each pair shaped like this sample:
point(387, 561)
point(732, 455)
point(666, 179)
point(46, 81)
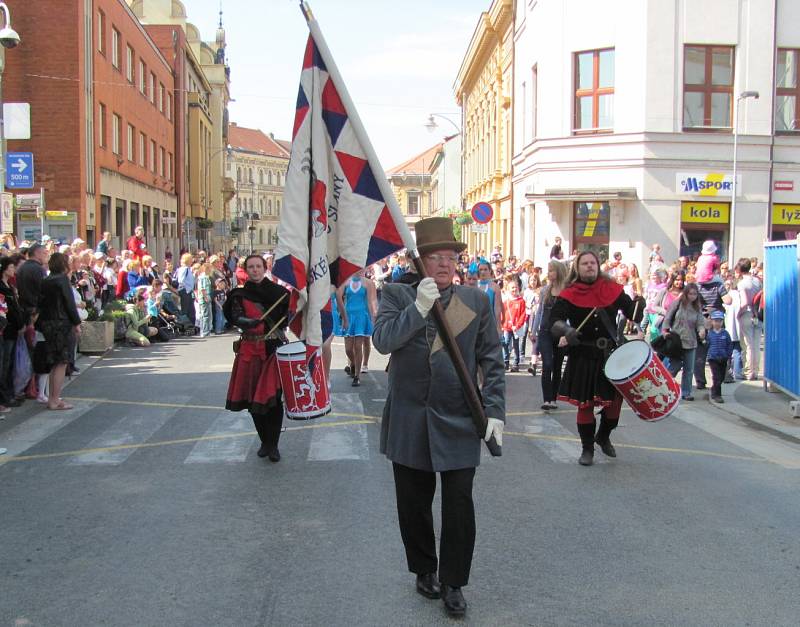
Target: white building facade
point(446, 177)
point(625, 116)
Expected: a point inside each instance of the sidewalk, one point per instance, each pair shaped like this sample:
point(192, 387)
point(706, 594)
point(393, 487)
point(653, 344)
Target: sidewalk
point(761, 409)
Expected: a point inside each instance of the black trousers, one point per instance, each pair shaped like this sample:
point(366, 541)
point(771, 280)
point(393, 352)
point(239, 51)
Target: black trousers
point(718, 368)
point(700, 356)
point(269, 426)
point(415, 490)
point(187, 304)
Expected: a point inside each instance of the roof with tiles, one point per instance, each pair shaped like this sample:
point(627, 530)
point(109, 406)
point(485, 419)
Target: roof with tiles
point(418, 164)
point(256, 141)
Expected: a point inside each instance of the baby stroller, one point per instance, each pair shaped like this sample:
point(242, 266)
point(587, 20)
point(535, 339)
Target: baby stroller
point(180, 323)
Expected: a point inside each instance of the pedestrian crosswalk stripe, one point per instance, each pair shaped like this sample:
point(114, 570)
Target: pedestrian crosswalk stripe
point(349, 442)
point(563, 448)
point(136, 427)
point(39, 427)
point(768, 447)
point(210, 450)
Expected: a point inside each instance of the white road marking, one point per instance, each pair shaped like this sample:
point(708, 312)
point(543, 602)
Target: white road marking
point(28, 434)
point(562, 451)
point(135, 428)
point(225, 449)
point(345, 442)
point(764, 445)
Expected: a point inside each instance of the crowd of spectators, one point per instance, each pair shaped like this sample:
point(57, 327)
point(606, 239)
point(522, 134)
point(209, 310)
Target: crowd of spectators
point(48, 288)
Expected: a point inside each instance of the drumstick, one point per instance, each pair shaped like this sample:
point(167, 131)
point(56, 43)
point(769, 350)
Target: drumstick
point(279, 323)
point(586, 319)
point(277, 302)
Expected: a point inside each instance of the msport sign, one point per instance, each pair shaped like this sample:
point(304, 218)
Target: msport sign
point(716, 184)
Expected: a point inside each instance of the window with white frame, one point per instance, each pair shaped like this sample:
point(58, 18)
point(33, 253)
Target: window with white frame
point(131, 143)
point(115, 51)
point(594, 91)
point(142, 150)
point(116, 132)
point(130, 56)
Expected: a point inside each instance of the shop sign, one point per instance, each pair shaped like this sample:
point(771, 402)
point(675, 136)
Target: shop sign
point(706, 183)
point(786, 215)
point(705, 212)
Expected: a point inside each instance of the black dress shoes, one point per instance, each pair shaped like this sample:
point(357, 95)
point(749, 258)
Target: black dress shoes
point(273, 453)
point(454, 601)
point(428, 586)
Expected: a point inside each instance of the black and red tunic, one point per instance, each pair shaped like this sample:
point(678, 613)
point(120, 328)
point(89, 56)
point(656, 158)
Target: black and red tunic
point(254, 383)
point(584, 383)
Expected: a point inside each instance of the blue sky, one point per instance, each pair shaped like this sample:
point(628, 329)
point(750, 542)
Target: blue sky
point(398, 59)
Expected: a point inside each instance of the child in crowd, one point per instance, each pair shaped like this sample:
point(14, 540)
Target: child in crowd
point(707, 263)
point(720, 349)
point(219, 300)
point(513, 324)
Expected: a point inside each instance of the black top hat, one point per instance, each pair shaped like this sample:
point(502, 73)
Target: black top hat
point(436, 234)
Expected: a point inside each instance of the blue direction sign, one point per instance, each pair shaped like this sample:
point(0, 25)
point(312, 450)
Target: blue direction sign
point(482, 212)
point(19, 170)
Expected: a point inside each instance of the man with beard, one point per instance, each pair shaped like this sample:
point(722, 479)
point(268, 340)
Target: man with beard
point(254, 383)
point(582, 319)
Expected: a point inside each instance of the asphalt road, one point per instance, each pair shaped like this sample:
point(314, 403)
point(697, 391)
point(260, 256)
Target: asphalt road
point(147, 505)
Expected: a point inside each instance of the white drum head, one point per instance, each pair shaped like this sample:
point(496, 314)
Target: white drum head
point(292, 348)
point(628, 360)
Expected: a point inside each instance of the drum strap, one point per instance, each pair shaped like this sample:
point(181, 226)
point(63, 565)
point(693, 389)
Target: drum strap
point(617, 337)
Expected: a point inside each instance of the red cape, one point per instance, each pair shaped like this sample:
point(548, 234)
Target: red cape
point(601, 293)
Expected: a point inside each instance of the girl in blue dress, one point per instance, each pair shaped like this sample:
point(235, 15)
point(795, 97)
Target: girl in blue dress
point(359, 303)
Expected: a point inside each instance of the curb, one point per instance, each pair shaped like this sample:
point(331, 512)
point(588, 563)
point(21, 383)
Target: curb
point(757, 419)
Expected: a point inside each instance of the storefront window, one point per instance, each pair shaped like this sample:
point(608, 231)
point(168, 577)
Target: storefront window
point(785, 222)
point(591, 227)
point(701, 221)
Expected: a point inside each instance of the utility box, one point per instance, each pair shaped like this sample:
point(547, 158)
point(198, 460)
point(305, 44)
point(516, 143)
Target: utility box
point(782, 316)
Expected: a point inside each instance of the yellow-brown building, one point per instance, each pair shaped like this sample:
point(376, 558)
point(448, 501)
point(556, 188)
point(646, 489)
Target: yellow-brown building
point(483, 90)
point(411, 184)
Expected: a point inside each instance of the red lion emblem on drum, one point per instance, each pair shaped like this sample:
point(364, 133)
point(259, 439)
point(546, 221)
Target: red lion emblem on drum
point(653, 390)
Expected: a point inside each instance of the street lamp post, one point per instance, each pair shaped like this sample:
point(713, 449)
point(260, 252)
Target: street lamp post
point(732, 239)
point(432, 125)
point(9, 39)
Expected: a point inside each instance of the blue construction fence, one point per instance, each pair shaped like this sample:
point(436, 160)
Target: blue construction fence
point(782, 315)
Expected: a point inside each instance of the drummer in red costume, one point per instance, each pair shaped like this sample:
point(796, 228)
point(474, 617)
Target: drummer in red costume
point(254, 383)
point(591, 335)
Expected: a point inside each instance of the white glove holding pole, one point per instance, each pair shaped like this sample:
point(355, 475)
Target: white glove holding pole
point(427, 293)
point(494, 427)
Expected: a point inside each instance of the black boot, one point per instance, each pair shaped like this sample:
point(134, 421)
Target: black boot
point(604, 433)
point(586, 431)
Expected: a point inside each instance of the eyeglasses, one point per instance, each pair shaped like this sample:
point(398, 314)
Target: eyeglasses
point(437, 258)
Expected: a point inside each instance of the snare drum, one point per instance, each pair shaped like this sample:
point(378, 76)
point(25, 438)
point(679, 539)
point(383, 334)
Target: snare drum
point(644, 382)
point(305, 388)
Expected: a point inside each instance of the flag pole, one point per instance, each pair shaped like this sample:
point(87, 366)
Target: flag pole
point(448, 339)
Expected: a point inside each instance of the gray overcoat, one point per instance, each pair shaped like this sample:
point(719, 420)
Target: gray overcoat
point(426, 421)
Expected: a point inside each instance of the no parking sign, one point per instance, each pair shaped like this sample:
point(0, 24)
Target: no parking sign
point(482, 212)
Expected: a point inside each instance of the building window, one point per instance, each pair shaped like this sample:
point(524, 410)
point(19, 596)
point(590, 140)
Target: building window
point(131, 144)
point(413, 204)
point(161, 97)
point(142, 77)
point(152, 88)
point(278, 179)
point(534, 99)
point(101, 32)
point(261, 177)
point(169, 107)
point(238, 175)
point(161, 160)
point(115, 51)
point(277, 207)
point(101, 124)
point(169, 166)
point(594, 91)
point(129, 64)
point(142, 150)
point(707, 87)
point(153, 155)
point(116, 132)
point(591, 221)
point(269, 206)
point(787, 101)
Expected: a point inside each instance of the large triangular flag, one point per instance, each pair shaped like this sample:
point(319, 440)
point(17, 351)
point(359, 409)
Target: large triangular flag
point(335, 220)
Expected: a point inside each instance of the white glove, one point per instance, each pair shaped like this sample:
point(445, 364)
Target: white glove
point(427, 293)
point(494, 427)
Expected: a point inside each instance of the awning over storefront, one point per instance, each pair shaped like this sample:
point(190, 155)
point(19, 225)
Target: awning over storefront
point(588, 195)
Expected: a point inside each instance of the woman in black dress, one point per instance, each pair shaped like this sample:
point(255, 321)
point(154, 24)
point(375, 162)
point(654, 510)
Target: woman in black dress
point(60, 324)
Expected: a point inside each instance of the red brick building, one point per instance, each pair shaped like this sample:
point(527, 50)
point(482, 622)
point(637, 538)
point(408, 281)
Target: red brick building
point(102, 119)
